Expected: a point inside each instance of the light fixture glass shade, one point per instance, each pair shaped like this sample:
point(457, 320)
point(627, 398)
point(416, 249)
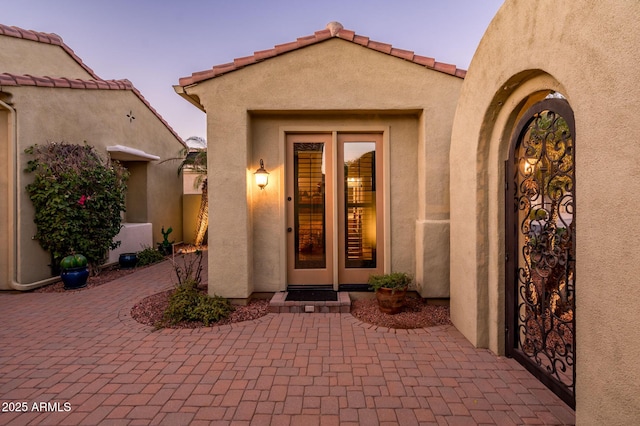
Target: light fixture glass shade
point(262, 176)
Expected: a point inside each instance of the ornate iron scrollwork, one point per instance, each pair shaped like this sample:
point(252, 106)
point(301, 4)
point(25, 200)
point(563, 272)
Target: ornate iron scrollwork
point(545, 278)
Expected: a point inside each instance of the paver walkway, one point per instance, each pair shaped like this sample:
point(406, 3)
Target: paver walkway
point(82, 348)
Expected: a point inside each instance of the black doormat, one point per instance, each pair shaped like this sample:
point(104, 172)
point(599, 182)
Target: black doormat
point(312, 296)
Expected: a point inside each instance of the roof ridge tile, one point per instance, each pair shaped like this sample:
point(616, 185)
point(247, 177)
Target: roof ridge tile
point(424, 60)
point(377, 45)
point(346, 34)
point(60, 82)
point(446, 68)
point(7, 80)
point(401, 53)
point(10, 31)
point(323, 34)
point(43, 81)
point(29, 35)
point(287, 47)
point(264, 54)
point(244, 61)
point(224, 68)
point(24, 80)
point(363, 40)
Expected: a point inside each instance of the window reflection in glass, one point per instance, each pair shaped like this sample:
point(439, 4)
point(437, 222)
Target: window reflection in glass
point(360, 204)
point(309, 209)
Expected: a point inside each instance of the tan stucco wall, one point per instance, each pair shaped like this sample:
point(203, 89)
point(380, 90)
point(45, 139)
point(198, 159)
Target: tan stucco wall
point(19, 56)
point(587, 50)
point(190, 209)
point(337, 77)
point(98, 117)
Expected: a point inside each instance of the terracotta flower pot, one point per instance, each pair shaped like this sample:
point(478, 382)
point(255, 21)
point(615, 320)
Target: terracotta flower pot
point(390, 301)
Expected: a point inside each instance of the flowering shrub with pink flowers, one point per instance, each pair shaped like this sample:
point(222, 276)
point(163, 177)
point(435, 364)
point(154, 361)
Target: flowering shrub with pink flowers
point(78, 198)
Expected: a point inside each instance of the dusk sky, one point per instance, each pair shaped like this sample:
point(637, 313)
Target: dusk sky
point(154, 43)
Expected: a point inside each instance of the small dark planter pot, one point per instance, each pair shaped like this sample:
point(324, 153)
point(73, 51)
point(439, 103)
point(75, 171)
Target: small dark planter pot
point(128, 260)
point(74, 278)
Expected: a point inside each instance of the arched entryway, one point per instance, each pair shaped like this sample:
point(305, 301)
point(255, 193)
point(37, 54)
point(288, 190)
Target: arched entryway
point(540, 236)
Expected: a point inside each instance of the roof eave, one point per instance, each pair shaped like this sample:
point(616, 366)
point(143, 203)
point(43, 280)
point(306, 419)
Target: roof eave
point(192, 99)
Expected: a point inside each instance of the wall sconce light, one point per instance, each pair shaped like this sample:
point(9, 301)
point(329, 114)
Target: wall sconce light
point(262, 176)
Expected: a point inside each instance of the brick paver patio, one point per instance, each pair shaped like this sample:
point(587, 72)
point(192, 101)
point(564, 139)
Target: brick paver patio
point(82, 348)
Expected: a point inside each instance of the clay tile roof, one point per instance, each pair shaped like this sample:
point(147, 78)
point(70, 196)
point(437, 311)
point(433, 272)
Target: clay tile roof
point(334, 29)
point(7, 79)
point(94, 83)
point(53, 39)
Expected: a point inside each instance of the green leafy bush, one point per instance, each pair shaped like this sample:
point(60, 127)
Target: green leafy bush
point(149, 256)
point(186, 303)
point(394, 281)
point(78, 198)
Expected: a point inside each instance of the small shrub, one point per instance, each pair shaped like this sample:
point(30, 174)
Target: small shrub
point(211, 309)
point(149, 256)
point(394, 281)
point(186, 303)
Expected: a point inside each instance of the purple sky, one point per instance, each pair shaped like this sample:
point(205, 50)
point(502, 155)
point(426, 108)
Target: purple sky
point(154, 43)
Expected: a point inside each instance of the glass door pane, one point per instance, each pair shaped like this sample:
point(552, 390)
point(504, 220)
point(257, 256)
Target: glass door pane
point(310, 206)
point(360, 204)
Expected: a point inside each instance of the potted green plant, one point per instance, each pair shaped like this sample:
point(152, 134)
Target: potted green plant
point(74, 271)
point(391, 290)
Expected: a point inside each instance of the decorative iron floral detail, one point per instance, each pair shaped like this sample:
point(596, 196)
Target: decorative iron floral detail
point(545, 310)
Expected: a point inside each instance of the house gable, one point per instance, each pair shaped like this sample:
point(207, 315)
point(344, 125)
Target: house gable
point(35, 53)
point(335, 75)
point(334, 31)
point(8, 80)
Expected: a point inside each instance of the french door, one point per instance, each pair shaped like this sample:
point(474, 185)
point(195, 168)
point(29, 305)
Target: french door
point(334, 208)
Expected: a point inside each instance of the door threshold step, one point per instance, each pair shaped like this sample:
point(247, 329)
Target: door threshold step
point(279, 304)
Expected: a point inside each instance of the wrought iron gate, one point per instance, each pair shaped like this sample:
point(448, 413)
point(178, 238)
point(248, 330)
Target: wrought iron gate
point(540, 238)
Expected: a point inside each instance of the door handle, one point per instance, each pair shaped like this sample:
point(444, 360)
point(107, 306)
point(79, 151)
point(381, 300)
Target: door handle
point(289, 229)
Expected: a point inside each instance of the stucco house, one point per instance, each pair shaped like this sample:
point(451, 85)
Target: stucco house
point(48, 94)
point(355, 137)
point(509, 189)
